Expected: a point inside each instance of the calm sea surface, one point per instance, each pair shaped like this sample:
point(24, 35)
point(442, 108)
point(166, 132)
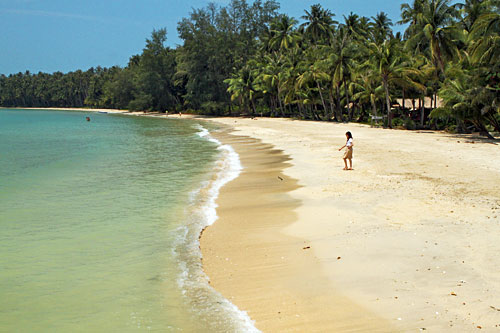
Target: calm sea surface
point(99, 223)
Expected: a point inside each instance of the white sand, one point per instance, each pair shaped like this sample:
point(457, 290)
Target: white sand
point(416, 225)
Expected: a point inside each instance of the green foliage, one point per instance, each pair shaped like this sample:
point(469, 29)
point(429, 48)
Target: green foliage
point(398, 123)
point(409, 124)
point(219, 41)
point(246, 58)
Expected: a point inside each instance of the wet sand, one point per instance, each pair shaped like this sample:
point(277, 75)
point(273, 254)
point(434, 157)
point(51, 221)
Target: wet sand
point(407, 241)
point(273, 276)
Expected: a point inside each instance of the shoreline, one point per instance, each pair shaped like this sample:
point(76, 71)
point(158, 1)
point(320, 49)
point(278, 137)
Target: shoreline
point(264, 272)
point(414, 226)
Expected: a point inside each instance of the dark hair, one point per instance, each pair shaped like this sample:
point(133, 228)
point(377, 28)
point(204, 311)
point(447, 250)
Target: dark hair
point(349, 135)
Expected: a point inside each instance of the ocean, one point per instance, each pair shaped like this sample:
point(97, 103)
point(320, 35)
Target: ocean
point(100, 219)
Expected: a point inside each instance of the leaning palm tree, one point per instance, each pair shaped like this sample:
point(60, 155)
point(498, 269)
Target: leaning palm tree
point(484, 39)
point(484, 51)
point(465, 100)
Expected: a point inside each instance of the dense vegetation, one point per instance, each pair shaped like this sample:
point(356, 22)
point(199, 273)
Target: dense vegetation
point(250, 59)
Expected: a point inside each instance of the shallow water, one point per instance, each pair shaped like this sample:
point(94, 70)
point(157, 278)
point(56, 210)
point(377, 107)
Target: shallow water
point(99, 223)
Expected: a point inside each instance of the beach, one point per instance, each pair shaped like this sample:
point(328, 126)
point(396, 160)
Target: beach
point(153, 114)
point(406, 241)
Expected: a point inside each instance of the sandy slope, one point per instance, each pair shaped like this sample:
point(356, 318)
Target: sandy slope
point(416, 226)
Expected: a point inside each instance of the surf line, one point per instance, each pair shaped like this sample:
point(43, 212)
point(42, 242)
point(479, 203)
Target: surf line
point(203, 204)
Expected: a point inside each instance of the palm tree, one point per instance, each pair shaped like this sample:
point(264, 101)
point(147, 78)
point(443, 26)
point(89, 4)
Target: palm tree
point(314, 76)
point(273, 73)
point(319, 23)
point(435, 28)
point(465, 100)
point(387, 63)
point(411, 14)
point(484, 39)
point(338, 62)
point(381, 27)
point(484, 51)
point(241, 86)
point(367, 91)
point(284, 34)
point(471, 10)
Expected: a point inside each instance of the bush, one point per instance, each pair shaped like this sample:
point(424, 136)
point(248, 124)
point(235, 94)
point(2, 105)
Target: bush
point(397, 122)
point(409, 124)
point(213, 108)
point(141, 102)
point(451, 128)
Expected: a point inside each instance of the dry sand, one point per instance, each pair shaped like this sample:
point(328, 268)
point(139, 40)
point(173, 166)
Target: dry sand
point(407, 241)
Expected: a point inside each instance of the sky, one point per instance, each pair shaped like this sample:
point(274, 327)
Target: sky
point(66, 35)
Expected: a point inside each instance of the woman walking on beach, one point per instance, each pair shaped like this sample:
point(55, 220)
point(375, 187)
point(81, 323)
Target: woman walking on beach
point(348, 152)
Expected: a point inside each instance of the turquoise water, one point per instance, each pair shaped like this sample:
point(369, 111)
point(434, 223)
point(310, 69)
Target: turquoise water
point(99, 223)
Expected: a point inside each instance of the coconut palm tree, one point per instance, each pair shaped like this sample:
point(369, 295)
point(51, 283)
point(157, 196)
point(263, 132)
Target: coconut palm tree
point(241, 86)
point(314, 76)
point(471, 10)
point(273, 73)
point(381, 27)
point(338, 62)
point(465, 100)
point(386, 61)
point(367, 90)
point(284, 34)
point(435, 29)
point(411, 13)
point(484, 39)
point(319, 23)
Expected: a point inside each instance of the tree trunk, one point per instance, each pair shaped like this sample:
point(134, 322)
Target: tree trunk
point(482, 128)
point(339, 110)
point(332, 107)
point(301, 112)
point(388, 103)
point(322, 99)
point(254, 110)
point(493, 121)
point(374, 108)
point(349, 115)
point(422, 113)
point(403, 99)
point(280, 105)
point(315, 112)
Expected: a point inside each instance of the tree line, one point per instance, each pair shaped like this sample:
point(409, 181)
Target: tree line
point(250, 59)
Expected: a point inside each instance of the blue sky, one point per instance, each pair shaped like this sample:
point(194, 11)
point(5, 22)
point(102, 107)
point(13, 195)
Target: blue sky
point(66, 35)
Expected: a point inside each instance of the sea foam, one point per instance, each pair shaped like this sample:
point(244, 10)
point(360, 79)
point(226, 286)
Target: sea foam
point(212, 308)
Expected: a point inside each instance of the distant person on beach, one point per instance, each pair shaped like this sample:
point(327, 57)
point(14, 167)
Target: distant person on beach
point(348, 152)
